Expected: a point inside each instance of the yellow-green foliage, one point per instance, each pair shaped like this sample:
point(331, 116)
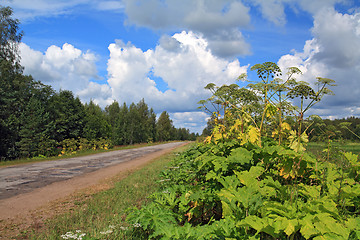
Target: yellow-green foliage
point(243, 184)
point(72, 146)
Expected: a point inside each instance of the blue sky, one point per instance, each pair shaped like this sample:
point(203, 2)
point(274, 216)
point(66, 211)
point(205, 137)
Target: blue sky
point(166, 51)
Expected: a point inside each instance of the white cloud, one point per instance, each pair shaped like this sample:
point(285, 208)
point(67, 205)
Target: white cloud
point(110, 5)
point(210, 17)
point(333, 53)
point(194, 121)
point(101, 94)
point(273, 10)
point(186, 70)
point(62, 68)
point(314, 7)
point(183, 61)
point(217, 21)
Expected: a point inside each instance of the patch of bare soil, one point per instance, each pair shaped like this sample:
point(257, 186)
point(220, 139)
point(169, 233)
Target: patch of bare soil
point(30, 210)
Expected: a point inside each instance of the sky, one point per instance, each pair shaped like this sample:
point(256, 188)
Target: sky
point(167, 51)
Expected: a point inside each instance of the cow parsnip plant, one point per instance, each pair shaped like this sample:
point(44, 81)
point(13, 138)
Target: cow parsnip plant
point(242, 184)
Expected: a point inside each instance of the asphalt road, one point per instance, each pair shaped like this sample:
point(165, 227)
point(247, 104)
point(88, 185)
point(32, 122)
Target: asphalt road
point(25, 178)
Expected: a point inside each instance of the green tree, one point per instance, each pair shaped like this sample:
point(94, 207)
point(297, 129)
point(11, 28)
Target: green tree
point(96, 126)
point(113, 114)
point(68, 115)
point(14, 87)
point(122, 125)
point(132, 124)
point(10, 37)
point(34, 131)
point(143, 123)
point(164, 127)
point(152, 126)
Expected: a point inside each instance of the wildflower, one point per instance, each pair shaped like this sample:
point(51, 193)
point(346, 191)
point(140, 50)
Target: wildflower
point(136, 225)
point(107, 232)
point(163, 180)
point(123, 228)
point(70, 235)
point(166, 191)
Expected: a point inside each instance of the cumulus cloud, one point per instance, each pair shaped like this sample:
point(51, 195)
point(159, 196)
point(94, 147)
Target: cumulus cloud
point(63, 67)
point(182, 61)
point(333, 53)
point(100, 94)
point(274, 10)
point(194, 121)
point(218, 21)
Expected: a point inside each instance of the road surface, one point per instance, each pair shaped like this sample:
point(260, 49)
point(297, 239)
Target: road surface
point(25, 178)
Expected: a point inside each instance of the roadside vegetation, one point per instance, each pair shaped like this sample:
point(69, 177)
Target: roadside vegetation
point(253, 177)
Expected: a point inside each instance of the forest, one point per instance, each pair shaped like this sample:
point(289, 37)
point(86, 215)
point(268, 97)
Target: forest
point(36, 120)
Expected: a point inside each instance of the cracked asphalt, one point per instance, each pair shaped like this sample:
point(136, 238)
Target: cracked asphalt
point(20, 179)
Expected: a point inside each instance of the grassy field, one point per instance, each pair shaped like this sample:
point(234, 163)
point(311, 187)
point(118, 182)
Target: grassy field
point(102, 215)
point(317, 147)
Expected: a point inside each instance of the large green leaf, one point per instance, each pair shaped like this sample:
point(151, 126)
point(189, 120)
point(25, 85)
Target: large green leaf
point(241, 156)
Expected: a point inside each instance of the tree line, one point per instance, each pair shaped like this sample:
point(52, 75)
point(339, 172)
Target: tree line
point(37, 120)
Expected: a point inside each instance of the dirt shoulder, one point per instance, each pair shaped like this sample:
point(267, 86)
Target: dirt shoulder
point(25, 209)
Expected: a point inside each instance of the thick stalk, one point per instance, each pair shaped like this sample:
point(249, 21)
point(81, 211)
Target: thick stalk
point(301, 116)
point(280, 118)
point(264, 112)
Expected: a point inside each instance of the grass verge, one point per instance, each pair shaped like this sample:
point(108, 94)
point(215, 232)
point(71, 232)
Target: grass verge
point(317, 147)
point(101, 215)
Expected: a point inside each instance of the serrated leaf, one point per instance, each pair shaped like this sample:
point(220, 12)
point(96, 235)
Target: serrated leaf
point(241, 156)
point(285, 126)
point(352, 158)
point(248, 178)
point(307, 229)
point(253, 134)
point(211, 175)
point(270, 110)
point(253, 221)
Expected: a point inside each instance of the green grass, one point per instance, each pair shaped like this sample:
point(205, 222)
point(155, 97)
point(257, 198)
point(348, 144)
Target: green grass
point(8, 163)
point(317, 147)
point(106, 210)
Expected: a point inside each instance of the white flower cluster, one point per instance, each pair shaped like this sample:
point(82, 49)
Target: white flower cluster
point(136, 225)
point(70, 235)
point(111, 229)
